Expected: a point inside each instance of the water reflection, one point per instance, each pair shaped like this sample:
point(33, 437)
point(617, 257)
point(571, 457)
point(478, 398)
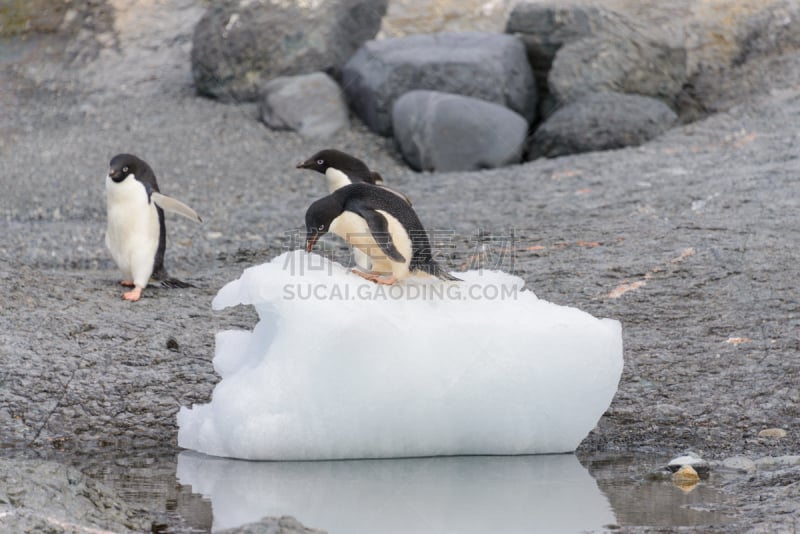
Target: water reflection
point(641, 499)
point(456, 494)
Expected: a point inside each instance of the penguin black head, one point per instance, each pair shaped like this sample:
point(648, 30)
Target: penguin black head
point(319, 217)
point(123, 165)
point(325, 159)
point(355, 169)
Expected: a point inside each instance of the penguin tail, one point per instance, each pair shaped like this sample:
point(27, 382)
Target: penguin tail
point(166, 281)
point(437, 271)
point(174, 283)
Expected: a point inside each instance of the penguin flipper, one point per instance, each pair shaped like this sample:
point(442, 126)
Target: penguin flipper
point(176, 206)
point(379, 228)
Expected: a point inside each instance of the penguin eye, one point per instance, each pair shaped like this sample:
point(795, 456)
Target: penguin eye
point(320, 161)
point(124, 169)
point(321, 227)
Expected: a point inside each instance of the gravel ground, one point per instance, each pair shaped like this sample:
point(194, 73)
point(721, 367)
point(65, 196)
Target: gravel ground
point(691, 241)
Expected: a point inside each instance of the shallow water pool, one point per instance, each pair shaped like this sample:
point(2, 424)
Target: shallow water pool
point(548, 493)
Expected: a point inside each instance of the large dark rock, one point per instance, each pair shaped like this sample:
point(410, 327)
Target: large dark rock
point(601, 122)
point(491, 67)
point(544, 28)
point(239, 44)
point(577, 50)
point(606, 63)
point(445, 132)
point(310, 104)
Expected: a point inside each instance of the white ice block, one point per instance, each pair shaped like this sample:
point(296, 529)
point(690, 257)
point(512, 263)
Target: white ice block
point(339, 367)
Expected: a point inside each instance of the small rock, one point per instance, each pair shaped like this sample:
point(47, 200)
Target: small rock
point(273, 525)
point(685, 477)
point(772, 433)
point(700, 466)
point(172, 344)
point(488, 66)
point(601, 121)
point(740, 464)
point(445, 132)
point(310, 104)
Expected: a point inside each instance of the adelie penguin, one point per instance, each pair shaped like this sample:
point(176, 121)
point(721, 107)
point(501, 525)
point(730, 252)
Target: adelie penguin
point(341, 169)
point(136, 233)
point(381, 225)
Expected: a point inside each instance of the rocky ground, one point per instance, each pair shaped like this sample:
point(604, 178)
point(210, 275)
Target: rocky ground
point(691, 241)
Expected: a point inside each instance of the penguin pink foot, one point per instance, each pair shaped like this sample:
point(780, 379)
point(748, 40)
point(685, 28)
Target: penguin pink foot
point(133, 295)
point(375, 277)
point(367, 276)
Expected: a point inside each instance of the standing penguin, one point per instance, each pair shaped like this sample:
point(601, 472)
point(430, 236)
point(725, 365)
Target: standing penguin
point(136, 233)
point(381, 225)
point(340, 169)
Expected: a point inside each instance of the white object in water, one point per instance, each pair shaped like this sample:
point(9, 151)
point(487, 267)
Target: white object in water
point(338, 367)
point(464, 494)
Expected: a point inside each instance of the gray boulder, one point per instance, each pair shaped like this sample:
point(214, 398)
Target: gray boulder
point(445, 132)
point(604, 63)
point(310, 104)
point(601, 121)
point(546, 27)
point(491, 67)
point(240, 44)
point(576, 50)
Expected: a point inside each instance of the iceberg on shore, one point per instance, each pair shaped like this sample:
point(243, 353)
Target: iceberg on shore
point(338, 367)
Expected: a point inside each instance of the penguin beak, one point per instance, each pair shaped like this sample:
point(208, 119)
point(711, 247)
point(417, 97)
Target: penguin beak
point(303, 165)
point(311, 240)
point(113, 173)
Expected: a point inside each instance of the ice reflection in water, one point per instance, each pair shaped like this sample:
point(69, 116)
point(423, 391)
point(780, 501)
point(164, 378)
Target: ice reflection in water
point(551, 493)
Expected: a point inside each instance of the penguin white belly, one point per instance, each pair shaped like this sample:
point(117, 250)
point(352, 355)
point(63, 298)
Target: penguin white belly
point(336, 179)
point(133, 229)
point(354, 229)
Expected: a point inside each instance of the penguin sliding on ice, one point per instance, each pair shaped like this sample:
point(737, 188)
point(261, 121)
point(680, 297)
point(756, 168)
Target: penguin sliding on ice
point(381, 225)
point(136, 233)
